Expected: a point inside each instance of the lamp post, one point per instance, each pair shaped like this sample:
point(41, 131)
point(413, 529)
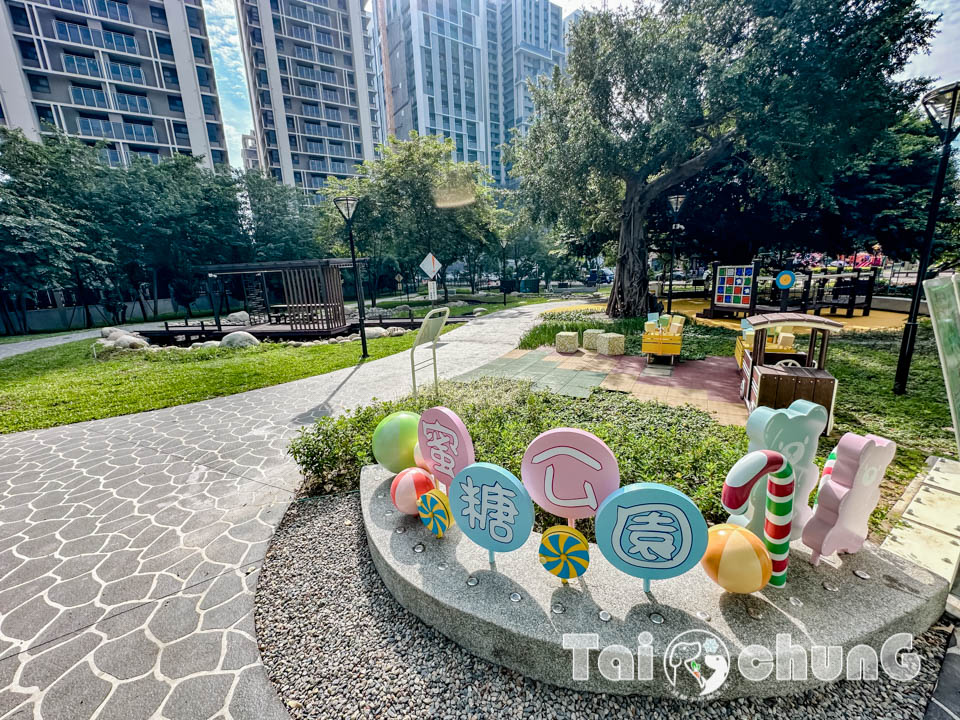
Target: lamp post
point(503, 273)
point(347, 205)
point(676, 202)
point(941, 106)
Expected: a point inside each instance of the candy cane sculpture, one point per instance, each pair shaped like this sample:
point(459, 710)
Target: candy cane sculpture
point(749, 469)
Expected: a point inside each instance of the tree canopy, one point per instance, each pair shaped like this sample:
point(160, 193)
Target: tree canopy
point(657, 95)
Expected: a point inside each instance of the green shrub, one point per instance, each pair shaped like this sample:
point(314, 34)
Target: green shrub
point(681, 447)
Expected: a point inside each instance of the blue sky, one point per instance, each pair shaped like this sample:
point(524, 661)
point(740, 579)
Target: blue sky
point(942, 62)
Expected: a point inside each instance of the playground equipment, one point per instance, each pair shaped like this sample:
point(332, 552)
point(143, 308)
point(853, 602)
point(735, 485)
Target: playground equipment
point(663, 337)
point(744, 289)
point(776, 381)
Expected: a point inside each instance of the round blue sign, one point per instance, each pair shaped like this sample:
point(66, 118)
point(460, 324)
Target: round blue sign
point(786, 279)
point(491, 507)
point(651, 531)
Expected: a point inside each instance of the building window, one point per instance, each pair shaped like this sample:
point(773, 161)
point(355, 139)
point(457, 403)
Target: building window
point(170, 76)
point(176, 103)
point(39, 83)
point(45, 114)
point(19, 16)
point(158, 15)
point(28, 50)
point(209, 105)
point(164, 46)
point(213, 133)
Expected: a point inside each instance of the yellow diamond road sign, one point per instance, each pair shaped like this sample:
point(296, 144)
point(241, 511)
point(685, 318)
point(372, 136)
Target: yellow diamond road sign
point(430, 265)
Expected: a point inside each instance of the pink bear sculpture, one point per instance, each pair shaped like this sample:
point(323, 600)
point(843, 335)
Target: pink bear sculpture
point(849, 492)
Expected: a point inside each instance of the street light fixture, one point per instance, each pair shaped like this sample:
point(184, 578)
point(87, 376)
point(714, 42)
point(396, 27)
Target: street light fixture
point(941, 106)
point(503, 274)
point(676, 202)
point(347, 205)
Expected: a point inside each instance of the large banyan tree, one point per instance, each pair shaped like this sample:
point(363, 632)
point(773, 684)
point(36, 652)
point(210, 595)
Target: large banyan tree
point(655, 95)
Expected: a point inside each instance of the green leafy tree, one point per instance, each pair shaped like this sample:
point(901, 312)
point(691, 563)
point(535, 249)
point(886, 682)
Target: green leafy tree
point(656, 96)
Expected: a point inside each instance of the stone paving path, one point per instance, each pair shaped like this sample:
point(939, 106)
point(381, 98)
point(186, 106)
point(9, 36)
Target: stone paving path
point(130, 547)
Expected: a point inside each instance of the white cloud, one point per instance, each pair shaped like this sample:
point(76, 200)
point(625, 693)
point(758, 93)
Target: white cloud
point(223, 32)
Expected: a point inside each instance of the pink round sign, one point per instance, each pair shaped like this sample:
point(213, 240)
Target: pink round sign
point(569, 472)
point(444, 443)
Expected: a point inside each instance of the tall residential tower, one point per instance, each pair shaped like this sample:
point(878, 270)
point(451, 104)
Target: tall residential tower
point(459, 68)
point(312, 87)
point(137, 74)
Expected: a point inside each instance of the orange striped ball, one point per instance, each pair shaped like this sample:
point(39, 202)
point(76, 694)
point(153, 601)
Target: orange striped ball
point(736, 559)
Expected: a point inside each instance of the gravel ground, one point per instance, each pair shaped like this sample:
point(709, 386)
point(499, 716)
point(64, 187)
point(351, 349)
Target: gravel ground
point(337, 645)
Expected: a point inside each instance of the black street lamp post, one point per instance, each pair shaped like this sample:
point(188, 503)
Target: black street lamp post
point(503, 273)
point(941, 106)
point(676, 202)
point(347, 205)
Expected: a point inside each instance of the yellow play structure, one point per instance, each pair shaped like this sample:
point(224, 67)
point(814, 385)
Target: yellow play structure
point(781, 342)
point(663, 337)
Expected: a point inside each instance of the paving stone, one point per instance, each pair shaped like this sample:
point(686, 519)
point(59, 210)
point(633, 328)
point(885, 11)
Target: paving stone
point(46, 667)
point(197, 698)
point(195, 653)
point(127, 657)
point(75, 696)
point(135, 700)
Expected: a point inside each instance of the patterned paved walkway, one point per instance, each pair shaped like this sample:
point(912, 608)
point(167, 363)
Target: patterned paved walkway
point(130, 547)
point(711, 384)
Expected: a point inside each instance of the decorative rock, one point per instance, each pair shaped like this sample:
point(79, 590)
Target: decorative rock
point(376, 332)
point(241, 317)
point(480, 311)
point(129, 342)
point(395, 331)
point(239, 339)
point(105, 332)
point(209, 344)
point(103, 344)
point(567, 342)
point(402, 309)
point(611, 344)
point(590, 338)
point(115, 334)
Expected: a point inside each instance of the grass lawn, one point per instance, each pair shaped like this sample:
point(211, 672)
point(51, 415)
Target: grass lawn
point(864, 364)
point(422, 307)
point(5, 339)
point(65, 384)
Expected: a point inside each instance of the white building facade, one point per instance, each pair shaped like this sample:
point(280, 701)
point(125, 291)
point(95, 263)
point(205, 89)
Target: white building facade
point(312, 87)
point(136, 74)
point(459, 69)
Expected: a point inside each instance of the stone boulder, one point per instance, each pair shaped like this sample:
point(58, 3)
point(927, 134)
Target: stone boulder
point(479, 311)
point(130, 342)
point(105, 332)
point(115, 334)
point(376, 332)
point(395, 331)
point(239, 339)
point(104, 344)
point(241, 317)
point(402, 310)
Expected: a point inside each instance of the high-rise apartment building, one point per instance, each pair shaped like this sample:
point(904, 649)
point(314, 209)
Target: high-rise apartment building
point(312, 87)
point(251, 154)
point(137, 74)
point(459, 68)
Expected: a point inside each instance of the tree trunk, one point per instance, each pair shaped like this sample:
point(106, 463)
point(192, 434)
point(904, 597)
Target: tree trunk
point(82, 295)
point(9, 325)
point(23, 314)
point(628, 294)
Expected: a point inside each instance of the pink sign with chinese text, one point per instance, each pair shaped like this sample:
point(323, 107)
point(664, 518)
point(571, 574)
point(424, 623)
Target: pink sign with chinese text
point(444, 443)
point(569, 472)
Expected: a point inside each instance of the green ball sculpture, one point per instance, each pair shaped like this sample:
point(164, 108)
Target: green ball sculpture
point(393, 440)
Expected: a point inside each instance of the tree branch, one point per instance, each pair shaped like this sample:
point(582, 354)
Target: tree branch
point(686, 170)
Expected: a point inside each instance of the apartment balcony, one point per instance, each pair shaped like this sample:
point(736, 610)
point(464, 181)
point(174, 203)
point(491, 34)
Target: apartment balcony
point(121, 158)
point(112, 10)
point(106, 39)
point(89, 97)
point(121, 72)
point(125, 102)
point(91, 127)
point(81, 66)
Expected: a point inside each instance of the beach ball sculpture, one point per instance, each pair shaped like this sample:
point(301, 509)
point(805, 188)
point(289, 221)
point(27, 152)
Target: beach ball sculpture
point(419, 459)
point(394, 440)
point(736, 559)
point(435, 513)
point(564, 552)
point(407, 487)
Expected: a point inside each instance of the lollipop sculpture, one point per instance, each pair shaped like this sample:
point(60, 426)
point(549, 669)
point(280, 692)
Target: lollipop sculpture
point(564, 552)
point(735, 496)
point(434, 509)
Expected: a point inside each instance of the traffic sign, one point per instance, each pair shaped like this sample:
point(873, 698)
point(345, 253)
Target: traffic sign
point(398, 277)
point(432, 290)
point(430, 265)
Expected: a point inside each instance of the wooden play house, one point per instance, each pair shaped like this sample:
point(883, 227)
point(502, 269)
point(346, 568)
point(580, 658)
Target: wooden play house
point(774, 376)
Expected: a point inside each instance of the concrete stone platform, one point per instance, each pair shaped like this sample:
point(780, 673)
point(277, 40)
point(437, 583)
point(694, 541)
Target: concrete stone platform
point(516, 614)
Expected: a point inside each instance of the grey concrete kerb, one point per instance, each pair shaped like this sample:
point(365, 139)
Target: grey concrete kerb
point(526, 636)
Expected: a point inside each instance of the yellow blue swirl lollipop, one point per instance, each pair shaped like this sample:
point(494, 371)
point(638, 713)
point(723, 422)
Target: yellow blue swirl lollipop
point(435, 512)
point(564, 552)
